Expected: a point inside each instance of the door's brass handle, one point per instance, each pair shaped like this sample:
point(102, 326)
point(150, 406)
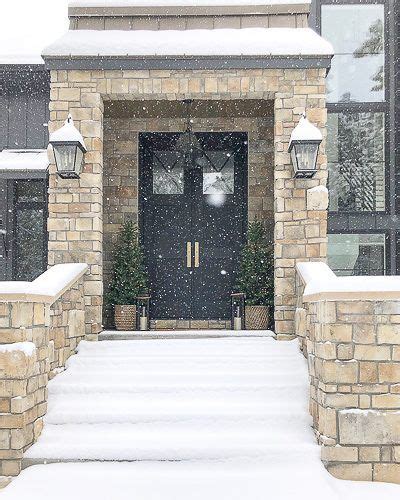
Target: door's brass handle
point(196, 254)
point(188, 254)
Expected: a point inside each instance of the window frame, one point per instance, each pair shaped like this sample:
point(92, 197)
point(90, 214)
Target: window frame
point(386, 222)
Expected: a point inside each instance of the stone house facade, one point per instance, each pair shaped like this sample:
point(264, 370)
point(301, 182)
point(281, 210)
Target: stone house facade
point(114, 99)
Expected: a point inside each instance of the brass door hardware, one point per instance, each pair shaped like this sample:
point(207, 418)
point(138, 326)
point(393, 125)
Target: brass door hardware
point(188, 254)
point(196, 254)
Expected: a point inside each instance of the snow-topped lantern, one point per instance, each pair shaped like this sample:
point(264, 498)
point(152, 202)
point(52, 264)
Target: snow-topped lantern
point(69, 149)
point(303, 148)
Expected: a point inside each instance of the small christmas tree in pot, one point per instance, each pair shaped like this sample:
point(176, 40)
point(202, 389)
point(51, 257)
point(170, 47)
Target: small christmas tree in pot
point(129, 277)
point(256, 277)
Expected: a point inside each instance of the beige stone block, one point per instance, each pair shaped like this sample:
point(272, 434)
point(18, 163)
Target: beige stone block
point(336, 332)
point(339, 453)
point(369, 427)
point(368, 372)
point(69, 94)
point(317, 198)
point(339, 372)
point(22, 314)
point(369, 454)
point(364, 333)
point(388, 473)
point(345, 351)
point(386, 401)
point(351, 472)
point(388, 334)
point(389, 372)
point(372, 353)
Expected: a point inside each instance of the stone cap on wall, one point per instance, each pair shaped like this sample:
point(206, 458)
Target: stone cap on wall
point(322, 284)
point(47, 288)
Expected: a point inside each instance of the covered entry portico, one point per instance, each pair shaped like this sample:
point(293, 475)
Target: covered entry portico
point(118, 96)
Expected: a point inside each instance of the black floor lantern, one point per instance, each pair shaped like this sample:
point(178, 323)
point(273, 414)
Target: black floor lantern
point(238, 311)
point(143, 313)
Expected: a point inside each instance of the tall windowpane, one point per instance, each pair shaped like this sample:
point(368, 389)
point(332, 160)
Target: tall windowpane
point(356, 254)
point(356, 161)
point(29, 229)
point(357, 35)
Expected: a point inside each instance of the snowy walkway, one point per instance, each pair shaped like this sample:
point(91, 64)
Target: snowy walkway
point(210, 419)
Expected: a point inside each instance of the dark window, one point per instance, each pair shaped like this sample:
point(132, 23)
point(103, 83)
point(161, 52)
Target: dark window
point(356, 161)
point(357, 254)
point(29, 232)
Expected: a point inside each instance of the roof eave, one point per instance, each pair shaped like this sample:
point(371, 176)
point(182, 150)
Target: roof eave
point(113, 62)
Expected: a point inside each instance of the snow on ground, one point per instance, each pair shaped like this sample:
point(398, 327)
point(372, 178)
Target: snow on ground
point(213, 419)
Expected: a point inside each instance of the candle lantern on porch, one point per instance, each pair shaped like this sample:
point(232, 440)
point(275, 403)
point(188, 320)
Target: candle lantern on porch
point(143, 313)
point(303, 148)
point(237, 311)
point(69, 150)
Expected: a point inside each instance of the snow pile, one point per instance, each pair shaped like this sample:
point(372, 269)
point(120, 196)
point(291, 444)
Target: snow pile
point(215, 419)
point(216, 42)
point(24, 159)
point(47, 287)
point(28, 348)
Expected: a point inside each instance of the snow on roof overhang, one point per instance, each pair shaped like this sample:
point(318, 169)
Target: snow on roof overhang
point(265, 47)
point(186, 7)
point(23, 162)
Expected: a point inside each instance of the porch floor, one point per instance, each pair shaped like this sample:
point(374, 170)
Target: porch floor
point(179, 419)
point(183, 334)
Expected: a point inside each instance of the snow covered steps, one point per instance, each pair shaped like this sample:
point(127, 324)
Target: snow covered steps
point(177, 400)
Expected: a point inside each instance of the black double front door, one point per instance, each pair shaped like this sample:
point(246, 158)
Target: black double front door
point(193, 219)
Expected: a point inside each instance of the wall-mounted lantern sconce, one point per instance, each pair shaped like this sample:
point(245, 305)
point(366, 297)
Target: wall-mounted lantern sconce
point(143, 313)
point(237, 311)
point(69, 150)
point(303, 148)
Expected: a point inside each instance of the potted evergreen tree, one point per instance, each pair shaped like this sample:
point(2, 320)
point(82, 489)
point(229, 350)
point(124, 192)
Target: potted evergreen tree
point(128, 279)
point(256, 278)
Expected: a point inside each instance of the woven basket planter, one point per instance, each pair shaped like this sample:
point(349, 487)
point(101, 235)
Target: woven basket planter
point(125, 317)
point(257, 317)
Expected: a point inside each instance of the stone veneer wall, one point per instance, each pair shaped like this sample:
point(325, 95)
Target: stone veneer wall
point(36, 339)
point(76, 206)
point(353, 351)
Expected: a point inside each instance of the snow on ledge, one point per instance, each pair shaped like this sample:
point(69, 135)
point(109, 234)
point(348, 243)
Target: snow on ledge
point(216, 42)
point(47, 288)
point(24, 160)
point(181, 3)
point(28, 348)
point(322, 284)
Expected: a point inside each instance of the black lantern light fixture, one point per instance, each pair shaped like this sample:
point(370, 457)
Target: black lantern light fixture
point(303, 148)
point(143, 313)
point(187, 144)
point(237, 311)
point(69, 150)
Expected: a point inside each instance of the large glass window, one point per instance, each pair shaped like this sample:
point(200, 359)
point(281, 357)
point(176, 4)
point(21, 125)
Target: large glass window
point(29, 229)
point(357, 35)
point(356, 254)
point(356, 161)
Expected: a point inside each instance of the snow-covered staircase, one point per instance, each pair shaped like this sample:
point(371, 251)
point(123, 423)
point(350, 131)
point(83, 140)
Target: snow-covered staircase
point(178, 400)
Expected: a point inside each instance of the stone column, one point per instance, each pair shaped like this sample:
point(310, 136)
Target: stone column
point(300, 223)
point(75, 222)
